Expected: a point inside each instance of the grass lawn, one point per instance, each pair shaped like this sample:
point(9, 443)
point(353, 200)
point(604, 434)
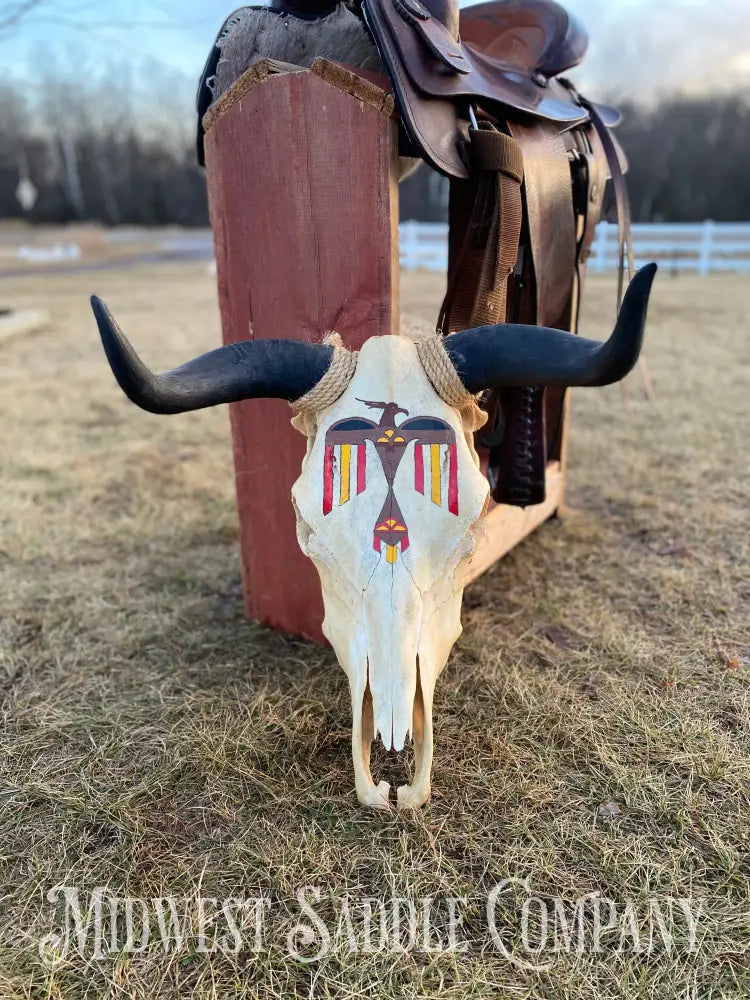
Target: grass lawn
point(591, 726)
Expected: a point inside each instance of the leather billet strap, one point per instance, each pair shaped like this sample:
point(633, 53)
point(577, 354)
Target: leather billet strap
point(478, 283)
point(596, 184)
point(614, 153)
point(622, 200)
point(548, 198)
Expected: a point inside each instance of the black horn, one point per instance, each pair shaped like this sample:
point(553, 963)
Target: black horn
point(280, 369)
point(516, 355)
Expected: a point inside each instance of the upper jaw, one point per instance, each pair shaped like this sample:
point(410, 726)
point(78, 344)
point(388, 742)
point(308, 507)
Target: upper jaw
point(378, 796)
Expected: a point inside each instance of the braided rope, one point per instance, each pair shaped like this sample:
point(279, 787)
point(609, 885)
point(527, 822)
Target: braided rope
point(437, 366)
point(333, 384)
point(446, 381)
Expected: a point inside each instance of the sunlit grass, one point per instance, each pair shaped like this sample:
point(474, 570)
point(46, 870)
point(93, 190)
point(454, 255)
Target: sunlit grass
point(156, 743)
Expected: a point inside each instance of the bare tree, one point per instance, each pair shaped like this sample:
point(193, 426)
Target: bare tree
point(12, 12)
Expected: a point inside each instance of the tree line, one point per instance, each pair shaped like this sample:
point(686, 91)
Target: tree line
point(96, 153)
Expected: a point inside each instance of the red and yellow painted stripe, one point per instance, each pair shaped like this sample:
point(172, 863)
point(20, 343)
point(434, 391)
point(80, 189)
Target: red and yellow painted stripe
point(344, 473)
point(436, 475)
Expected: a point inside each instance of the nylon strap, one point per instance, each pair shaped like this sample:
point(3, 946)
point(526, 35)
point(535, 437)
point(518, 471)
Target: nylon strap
point(478, 286)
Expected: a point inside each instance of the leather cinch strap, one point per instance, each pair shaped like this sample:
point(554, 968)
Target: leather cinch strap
point(478, 285)
point(624, 224)
point(622, 201)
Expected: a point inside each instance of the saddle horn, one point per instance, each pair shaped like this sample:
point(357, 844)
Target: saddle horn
point(275, 369)
point(516, 355)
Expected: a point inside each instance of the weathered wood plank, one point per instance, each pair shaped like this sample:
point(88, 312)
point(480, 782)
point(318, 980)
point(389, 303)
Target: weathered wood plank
point(505, 527)
point(304, 210)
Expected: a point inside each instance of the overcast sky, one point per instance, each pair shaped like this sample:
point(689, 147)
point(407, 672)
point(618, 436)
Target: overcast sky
point(636, 45)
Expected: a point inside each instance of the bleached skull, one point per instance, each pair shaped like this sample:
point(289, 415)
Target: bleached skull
point(386, 504)
point(390, 493)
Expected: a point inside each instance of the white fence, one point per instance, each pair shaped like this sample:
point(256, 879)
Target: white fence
point(703, 247)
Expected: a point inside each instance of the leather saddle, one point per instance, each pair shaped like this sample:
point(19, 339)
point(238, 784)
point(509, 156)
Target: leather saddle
point(482, 100)
point(504, 55)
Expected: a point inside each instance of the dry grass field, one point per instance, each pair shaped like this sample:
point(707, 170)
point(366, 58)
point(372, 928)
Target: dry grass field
point(591, 727)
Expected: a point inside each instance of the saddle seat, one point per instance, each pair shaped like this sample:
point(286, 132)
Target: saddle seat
point(502, 56)
point(532, 36)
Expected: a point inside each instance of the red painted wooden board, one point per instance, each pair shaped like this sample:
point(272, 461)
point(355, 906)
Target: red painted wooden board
point(304, 211)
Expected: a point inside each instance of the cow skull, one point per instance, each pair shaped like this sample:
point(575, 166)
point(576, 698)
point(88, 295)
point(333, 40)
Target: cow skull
point(390, 492)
